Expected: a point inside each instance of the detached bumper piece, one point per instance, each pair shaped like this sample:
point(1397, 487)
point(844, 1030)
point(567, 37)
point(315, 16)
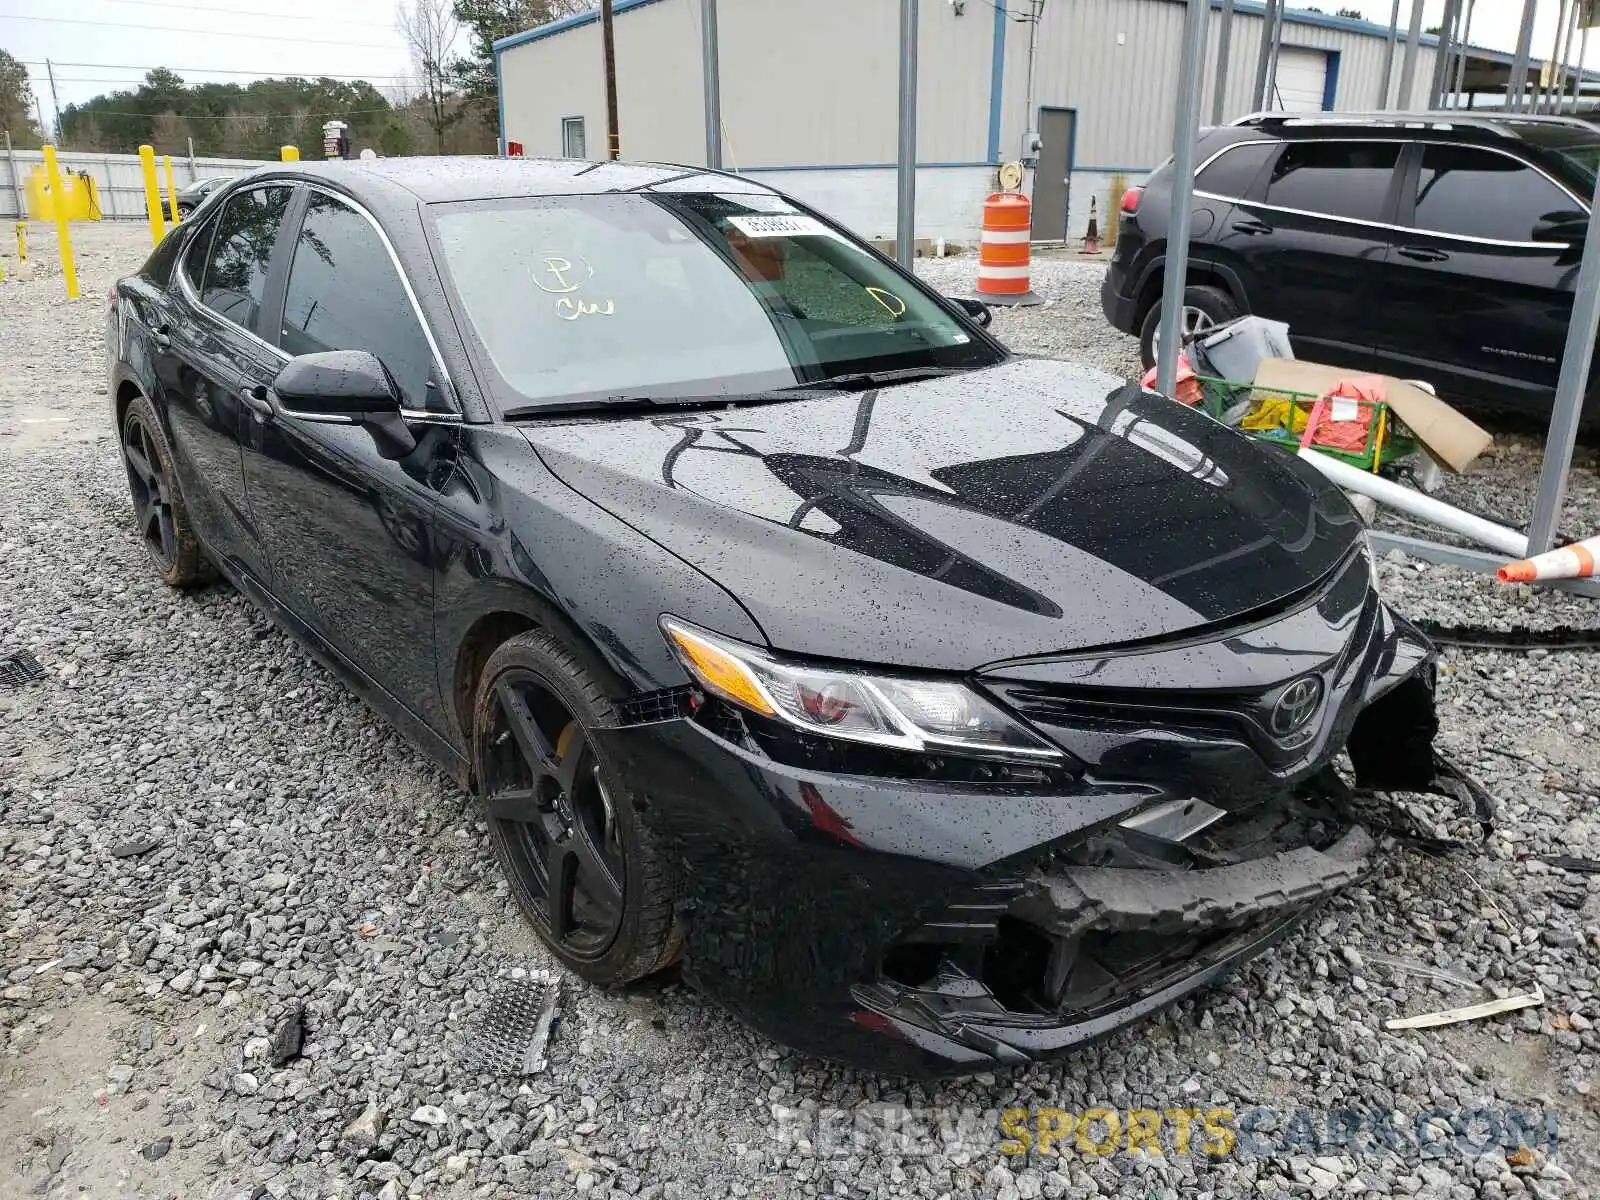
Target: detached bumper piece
point(1118, 927)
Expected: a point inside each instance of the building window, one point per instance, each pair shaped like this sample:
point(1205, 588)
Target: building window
point(573, 143)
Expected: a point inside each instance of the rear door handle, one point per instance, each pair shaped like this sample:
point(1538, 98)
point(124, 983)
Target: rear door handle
point(1422, 254)
point(1251, 225)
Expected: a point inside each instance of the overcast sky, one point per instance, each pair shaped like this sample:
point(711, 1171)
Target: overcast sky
point(243, 39)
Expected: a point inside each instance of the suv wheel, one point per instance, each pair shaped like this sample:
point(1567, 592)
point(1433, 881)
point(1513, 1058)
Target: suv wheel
point(578, 862)
point(1203, 307)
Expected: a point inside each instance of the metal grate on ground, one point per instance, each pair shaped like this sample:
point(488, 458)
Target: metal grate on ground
point(20, 668)
point(514, 1031)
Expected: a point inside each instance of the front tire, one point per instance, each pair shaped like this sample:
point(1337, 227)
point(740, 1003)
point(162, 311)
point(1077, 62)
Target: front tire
point(563, 827)
point(1203, 308)
point(160, 515)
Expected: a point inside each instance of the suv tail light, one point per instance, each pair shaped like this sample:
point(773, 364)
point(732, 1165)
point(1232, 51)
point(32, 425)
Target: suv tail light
point(1130, 200)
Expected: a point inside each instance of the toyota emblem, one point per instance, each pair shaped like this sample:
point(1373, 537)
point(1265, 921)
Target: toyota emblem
point(1295, 706)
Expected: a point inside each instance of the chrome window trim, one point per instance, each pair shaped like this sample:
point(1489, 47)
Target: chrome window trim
point(451, 395)
point(1416, 229)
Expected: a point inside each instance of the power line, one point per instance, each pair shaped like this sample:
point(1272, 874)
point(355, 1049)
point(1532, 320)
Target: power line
point(258, 37)
point(88, 66)
point(249, 12)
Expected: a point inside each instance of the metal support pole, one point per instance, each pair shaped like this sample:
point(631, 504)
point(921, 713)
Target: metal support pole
point(1219, 90)
point(1269, 19)
point(1566, 57)
point(1571, 387)
point(1272, 67)
point(905, 226)
point(608, 38)
point(193, 175)
point(1547, 81)
point(1577, 76)
point(1461, 55)
point(1441, 55)
point(1387, 81)
point(1030, 132)
point(1517, 84)
point(1185, 129)
point(1408, 65)
point(711, 70)
point(16, 181)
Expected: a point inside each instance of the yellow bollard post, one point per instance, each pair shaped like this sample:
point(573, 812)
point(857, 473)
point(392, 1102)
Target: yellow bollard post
point(22, 240)
point(152, 194)
point(290, 153)
point(172, 190)
point(69, 268)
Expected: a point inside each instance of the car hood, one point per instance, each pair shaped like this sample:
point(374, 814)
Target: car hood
point(1034, 507)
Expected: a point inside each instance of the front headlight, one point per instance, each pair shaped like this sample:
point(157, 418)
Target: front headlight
point(899, 712)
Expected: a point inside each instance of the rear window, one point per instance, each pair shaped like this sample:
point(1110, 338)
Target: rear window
point(1341, 179)
point(1232, 172)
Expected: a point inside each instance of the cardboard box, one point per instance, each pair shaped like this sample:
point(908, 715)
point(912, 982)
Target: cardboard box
point(1448, 436)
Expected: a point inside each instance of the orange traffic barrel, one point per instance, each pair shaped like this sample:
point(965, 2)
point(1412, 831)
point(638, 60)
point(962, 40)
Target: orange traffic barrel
point(1004, 249)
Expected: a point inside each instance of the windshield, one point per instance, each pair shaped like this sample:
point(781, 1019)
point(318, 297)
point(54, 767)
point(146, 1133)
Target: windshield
point(628, 296)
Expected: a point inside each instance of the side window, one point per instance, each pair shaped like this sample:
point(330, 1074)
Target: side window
point(241, 250)
point(1232, 172)
point(193, 264)
point(1342, 179)
point(1476, 193)
point(345, 294)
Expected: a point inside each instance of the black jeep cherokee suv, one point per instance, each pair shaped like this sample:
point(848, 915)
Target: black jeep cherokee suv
point(1441, 246)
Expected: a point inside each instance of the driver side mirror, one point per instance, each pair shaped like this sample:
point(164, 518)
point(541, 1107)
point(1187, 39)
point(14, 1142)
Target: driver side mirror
point(981, 314)
point(345, 387)
point(1571, 227)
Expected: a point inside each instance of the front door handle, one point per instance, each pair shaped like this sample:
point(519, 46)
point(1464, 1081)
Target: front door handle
point(1422, 254)
point(1251, 225)
point(259, 401)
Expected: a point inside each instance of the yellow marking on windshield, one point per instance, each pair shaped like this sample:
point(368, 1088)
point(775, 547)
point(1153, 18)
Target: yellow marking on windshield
point(891, 303)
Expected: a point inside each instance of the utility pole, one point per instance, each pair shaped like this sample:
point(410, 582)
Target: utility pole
point(54, 103)
point(609, 37)
point(711, 72)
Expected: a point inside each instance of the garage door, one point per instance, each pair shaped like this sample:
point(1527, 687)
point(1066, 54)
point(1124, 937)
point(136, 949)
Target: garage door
point(1302, 75)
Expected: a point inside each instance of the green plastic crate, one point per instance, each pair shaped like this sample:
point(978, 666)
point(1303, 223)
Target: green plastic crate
point(1222, 395)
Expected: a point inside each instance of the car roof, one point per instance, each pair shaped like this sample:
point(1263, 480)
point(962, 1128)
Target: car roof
point(1542, 130)
point(437, 180)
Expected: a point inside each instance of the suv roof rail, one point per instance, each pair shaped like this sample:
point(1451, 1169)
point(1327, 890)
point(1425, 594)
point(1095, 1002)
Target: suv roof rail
point(1503, 125)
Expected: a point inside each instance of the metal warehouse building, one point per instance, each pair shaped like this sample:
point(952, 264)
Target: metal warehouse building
point(810, 93)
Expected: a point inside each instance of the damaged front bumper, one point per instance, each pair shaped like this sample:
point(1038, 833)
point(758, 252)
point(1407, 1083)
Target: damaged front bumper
point(939, 924)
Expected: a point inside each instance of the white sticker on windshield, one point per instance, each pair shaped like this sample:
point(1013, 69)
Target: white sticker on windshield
point(780, 225)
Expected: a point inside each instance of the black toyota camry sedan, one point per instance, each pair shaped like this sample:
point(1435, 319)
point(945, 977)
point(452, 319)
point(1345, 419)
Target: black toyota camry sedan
point(937, 707)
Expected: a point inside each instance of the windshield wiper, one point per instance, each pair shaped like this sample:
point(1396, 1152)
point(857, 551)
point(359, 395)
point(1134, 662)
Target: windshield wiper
point(642, 403)
point(868, 379)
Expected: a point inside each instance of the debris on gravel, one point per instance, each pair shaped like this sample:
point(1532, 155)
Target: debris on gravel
point(299, 864)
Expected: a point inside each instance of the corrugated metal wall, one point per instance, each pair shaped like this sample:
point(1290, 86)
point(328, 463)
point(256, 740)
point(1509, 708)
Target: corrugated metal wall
point(817, 84)
point(119, 178)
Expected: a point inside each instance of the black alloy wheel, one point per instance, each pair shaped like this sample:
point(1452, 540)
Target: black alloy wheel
point(563, 829)
point(159, 514)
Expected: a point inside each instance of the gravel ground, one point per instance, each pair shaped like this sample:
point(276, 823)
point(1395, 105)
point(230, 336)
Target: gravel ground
point(202, 834)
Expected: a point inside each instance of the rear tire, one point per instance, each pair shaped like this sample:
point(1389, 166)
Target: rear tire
point(561, 822)
point(1211, 305)
point(160, 516)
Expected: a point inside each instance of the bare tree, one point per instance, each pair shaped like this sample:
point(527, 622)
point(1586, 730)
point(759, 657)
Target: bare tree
point(430, 30)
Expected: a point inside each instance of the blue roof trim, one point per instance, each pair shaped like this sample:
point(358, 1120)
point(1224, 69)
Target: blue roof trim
point(500, 102)
point(575, 21)
point(997, 79)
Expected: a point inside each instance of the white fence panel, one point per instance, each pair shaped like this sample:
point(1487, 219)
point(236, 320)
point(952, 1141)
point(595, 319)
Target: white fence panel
point(118, 178)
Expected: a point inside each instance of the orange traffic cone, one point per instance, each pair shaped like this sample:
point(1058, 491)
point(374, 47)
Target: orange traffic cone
point(1091, 236)
point(1568, 562)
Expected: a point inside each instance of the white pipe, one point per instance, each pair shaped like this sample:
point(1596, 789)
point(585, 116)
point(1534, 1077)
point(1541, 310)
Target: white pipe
point(1424, 508)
